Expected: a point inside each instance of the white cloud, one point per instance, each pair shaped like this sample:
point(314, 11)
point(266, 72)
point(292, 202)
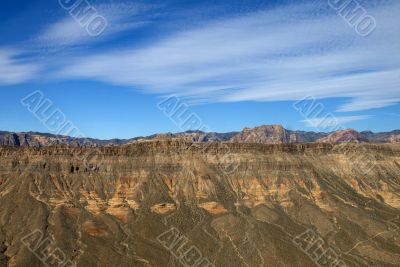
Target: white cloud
point(282, 54)
point(69, 32)
point(37, 57)
point(14, 70)
point(64, 32)
point(333, 122)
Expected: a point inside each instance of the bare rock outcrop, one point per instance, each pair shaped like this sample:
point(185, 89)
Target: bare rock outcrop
point(239, 204)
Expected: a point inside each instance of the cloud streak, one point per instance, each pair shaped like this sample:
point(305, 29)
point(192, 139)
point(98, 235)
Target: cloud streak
point(67, 32)
point(15, 71)
point(281, 54)
point(278, 54)
point(333, 122)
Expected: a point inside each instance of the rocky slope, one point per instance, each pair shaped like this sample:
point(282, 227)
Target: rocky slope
point(388, 137)
point(230, 204)
point(266, 134)
point(348, 135)
point(34, 139)
point(275, 134)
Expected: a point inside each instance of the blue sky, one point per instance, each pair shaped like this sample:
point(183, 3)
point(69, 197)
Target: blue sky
point(236, 63)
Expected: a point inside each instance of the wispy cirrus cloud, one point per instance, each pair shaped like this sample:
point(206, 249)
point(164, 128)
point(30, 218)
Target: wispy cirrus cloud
point(14, 70)
point(333, 122)
point(35, 58)
point(280, 54)
point(120, 17)
point(63, 32)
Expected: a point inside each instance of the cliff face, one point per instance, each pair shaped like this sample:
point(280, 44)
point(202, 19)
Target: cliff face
point(32, 139)
point(344, 136)
point(266, 134)
point(275, 134)
point(388, 137)
point(238, 204)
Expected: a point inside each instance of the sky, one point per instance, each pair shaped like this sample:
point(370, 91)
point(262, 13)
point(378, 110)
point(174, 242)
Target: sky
point(233, 64)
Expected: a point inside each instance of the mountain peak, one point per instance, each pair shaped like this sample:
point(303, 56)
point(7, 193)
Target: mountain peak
point(264, 134)
point(347, 135)
point(271, 134)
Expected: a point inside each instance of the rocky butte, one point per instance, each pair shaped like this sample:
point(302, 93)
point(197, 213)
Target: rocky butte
point(262, 199)
point(265, 134)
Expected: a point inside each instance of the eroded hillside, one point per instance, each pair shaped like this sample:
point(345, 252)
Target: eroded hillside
point(232, 205)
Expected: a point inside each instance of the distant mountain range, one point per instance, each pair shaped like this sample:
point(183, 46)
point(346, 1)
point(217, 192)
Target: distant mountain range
point(265, 134)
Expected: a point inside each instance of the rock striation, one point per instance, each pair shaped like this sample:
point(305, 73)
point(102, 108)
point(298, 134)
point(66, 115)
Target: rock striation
point(239, 204)
point(265, 134)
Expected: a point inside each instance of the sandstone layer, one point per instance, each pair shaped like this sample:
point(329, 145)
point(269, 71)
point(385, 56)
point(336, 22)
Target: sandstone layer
point(238, 204)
